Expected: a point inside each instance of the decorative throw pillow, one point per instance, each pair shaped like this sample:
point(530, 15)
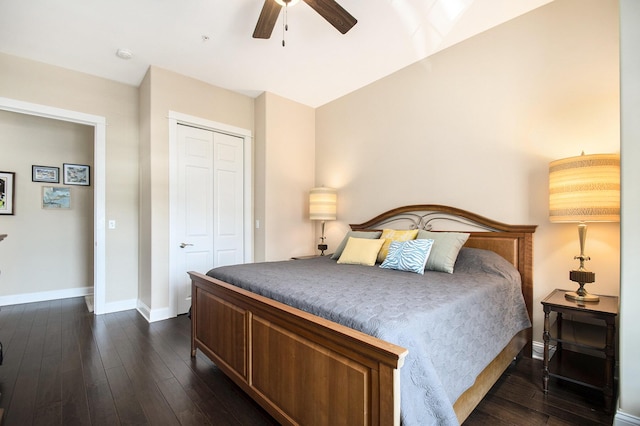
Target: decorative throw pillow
point(408, 256)
point(371, 235)
point(360, 251)
point(446, 246)
point(389, 235)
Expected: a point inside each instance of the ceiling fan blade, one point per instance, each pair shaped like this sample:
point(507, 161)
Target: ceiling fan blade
point(267, 19)
point(334, 14)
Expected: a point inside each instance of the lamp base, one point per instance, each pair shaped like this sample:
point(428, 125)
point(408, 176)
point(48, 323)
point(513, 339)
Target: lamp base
point(322, 248)
point(582, 277)
point(588, 297)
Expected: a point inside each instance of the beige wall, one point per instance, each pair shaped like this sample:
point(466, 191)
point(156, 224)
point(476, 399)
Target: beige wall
point(55, 246)
point(284, 175)
point(475, 127)
point(163, 91)
point(630, 274)
point(34, 82)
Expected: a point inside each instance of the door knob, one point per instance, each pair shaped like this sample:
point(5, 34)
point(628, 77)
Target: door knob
point(183, 245)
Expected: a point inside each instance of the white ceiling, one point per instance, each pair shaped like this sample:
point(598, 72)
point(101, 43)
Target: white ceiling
point(317, 65)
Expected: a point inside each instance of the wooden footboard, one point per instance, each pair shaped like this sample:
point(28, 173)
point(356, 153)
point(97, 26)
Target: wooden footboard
point(301, 368)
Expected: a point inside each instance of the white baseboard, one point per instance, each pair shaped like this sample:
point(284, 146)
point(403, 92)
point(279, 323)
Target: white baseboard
point(537, 350)
point(110, 307)
point(43, 296)
point(153, 315)
point(623, 419)
point(18, 299)
point(119, 306)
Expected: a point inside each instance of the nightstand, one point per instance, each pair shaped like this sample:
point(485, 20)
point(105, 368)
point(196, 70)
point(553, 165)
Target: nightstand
point(311, 256)
point(585, 350)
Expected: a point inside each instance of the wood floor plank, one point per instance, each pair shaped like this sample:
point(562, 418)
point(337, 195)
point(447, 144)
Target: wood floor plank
point(75, 407)
point(102, 409)
point(186, 411)
point(49, 390)
point(129, 409)
point(23, 397)
point(510, 412)
point(48, 415)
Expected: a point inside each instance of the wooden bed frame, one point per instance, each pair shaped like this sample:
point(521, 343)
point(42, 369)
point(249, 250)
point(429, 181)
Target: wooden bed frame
point(304, 369)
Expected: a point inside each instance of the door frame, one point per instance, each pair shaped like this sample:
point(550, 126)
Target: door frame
point(174, 119)
point(99, 182)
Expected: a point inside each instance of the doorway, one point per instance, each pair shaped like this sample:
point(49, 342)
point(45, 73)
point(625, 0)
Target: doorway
point(99, 236)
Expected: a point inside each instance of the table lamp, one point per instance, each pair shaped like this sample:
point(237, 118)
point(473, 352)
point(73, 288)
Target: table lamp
point(322, 206)
point(584, 189)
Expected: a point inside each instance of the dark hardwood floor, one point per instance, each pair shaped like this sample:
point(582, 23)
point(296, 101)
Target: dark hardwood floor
point(66, 366)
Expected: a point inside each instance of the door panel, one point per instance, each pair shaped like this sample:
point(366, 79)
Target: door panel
point(209, 220)
point(195, 186)
point(228, 200)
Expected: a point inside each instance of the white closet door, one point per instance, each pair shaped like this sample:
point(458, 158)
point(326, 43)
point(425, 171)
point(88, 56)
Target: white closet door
point(228, 200)
point(210, 212)
point(194, 223)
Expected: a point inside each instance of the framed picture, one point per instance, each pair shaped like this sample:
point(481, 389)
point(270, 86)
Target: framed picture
point(56, 197)
point(75, 174)
point(45, 174)
point(7, 186)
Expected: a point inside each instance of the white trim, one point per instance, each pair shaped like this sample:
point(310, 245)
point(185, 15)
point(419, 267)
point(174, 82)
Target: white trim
point(43, 296)
point(623, 419)
point(154, 315)
point(175, 118)
point(122, 305)
point(537, 350)
point(99, 181)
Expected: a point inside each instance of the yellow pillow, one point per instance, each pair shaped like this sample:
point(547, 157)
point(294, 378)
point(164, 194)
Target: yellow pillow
point(360, 251)
point(389, 235)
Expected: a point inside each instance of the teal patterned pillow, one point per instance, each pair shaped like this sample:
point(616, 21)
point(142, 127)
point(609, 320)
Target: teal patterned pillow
point(408, 256)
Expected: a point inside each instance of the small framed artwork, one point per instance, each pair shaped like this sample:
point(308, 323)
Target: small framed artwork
point(7, 186)
point(75, 174)
point(56, 197)
point(45, 174)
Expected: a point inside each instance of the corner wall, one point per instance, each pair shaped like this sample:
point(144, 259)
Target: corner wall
point(284, 175)
point(163, 91)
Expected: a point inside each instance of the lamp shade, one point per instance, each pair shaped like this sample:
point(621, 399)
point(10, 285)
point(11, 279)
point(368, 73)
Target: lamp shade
point(585, 189)
point(322, 204)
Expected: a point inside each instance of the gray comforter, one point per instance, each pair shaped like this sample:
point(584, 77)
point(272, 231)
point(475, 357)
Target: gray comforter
point(452, 324)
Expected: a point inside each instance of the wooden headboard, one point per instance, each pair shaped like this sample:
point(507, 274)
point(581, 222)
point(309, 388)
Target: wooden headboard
point(513, 242)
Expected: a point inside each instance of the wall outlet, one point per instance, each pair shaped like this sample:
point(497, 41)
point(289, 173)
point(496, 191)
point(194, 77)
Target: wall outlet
point(112, 224)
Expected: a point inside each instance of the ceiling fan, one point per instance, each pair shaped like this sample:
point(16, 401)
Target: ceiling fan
point(328, 9)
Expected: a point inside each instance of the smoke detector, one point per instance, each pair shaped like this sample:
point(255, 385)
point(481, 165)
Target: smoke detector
point(124, 54)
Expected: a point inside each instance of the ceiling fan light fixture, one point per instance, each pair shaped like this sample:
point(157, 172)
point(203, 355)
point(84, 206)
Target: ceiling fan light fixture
point(330, 10)
point(287, 3)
